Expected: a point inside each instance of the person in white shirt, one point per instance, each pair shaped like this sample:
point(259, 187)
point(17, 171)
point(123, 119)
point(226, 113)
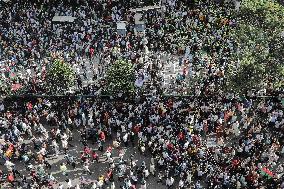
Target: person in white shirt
point(9, 165)
point(143, 184)
point(108, 155)
point(55, 147)
point(94, 185)
point(146, 173)
point(84, 120)
point(152, 169)
point(86, 167)
point(112, 185)
point(65, 145)
point(181, 184)
point(2, 108)
point(69, 184)
point(170, 181)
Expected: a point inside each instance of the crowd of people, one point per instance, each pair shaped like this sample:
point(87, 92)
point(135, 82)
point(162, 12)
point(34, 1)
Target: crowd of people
point(208, 140)
point(194, 35)
point(184, 143)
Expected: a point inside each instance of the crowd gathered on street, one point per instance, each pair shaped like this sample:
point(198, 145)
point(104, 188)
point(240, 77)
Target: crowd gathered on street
point(194, 36)
point(207, 140)
point(172, 136)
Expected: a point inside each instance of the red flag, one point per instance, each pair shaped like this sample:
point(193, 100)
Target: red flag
point(267, 171)
point(29, 106)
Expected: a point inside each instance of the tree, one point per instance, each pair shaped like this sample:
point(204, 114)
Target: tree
point(60, 76)
point(261, 47)
point(5, 88)
point(120, 78)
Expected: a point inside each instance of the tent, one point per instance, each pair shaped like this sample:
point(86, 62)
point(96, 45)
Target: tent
point(139, 25)
point(63, 19)
point(139, 28)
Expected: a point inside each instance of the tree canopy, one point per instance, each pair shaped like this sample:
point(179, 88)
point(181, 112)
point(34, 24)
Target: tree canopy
point(261, 48)
point(60, 76)
point(120, 78)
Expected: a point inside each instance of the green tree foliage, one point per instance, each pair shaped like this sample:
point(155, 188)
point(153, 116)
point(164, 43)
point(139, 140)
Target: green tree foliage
point(261, 47)
point(120, 78)
point(5, 88)
point(60, 76)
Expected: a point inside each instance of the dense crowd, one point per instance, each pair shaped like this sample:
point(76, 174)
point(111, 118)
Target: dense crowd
point(246, 152)
point(208, 140)
point(197, 36)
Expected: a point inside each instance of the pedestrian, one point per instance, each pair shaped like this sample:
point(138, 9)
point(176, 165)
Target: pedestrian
point(143, 184)
point(11, 179)
point(95, 156)
point(169, 182)
point(69, 183)
point(63, 169)
point(152, 169)
point(86, 167)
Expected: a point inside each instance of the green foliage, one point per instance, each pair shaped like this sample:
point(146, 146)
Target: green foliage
point(60, 76)
point(5, 87)
point(261, 55)
point(120, 78)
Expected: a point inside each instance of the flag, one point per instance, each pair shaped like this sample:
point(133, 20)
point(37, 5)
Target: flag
point(29, 105)
point(266, 172)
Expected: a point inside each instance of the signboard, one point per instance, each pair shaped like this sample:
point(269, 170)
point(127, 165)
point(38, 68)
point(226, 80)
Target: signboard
point(63, 19)
point(139, 24)
point(121, 28)
point(140, 27)
point(121, 25)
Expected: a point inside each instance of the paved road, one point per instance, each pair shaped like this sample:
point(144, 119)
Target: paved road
point(91, 66)
point(96, 168)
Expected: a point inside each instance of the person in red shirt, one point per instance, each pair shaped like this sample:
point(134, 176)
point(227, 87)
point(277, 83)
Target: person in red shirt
point(102, 136)
point(11, 178)
point(235, 163)
point(136, 129)
point(109, 175)
point(181, 136)
point(92, 52)
point(87, 150)
point(95, 156)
